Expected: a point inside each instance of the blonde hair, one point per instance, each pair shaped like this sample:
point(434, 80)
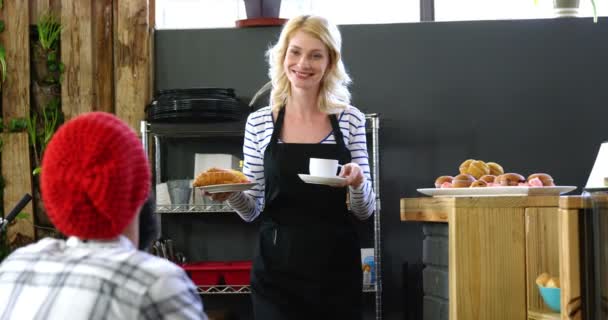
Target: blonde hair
point(334, 95)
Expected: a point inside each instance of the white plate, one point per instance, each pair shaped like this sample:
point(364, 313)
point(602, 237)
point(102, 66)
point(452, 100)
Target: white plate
point(229, 187)
point(328, 181)
point(496, 191)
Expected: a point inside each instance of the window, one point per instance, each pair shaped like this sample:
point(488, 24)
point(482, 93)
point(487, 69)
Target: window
point(450, 10)
point(198, 14)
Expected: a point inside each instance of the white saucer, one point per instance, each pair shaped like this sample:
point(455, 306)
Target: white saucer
point(328, 181)
point(229, 187)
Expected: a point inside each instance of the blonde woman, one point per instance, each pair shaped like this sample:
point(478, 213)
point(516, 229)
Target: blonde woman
point(308, 262)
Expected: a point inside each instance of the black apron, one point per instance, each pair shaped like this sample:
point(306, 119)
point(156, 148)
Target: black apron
point(308, 259)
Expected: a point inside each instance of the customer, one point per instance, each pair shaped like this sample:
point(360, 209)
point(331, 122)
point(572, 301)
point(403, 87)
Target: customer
point(308, 261)
point(149, 230)
point(95, 178)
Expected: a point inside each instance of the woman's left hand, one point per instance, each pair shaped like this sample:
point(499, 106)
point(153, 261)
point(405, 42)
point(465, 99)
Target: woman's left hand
point(353, 175)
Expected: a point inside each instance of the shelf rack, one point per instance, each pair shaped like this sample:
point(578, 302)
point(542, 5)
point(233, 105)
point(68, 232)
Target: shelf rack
point(226, 289)
point(235, 129)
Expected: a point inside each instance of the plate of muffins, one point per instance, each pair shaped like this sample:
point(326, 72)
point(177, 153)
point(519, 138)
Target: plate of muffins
point(480, 178)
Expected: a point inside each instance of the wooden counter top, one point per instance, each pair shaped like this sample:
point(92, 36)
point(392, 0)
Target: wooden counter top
point(436, 209)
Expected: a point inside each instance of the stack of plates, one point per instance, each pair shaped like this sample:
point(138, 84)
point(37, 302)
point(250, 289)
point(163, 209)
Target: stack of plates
point(196, 105)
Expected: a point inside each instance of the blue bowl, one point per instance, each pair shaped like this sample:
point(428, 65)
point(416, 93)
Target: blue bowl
point(551, 296)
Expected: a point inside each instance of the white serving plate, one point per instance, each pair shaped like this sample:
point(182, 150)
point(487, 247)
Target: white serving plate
point(496, 191)
point(328, 181)
point(228, 187)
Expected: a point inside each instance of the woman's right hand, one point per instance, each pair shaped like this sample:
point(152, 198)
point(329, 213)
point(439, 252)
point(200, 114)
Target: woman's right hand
point(220, 196)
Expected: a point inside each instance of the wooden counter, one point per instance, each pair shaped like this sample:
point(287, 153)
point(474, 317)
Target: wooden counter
point(497, 247)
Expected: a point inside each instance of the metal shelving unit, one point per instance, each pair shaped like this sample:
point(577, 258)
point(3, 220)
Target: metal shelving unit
point(192, 208)
point(215, 129)
point(224, 289)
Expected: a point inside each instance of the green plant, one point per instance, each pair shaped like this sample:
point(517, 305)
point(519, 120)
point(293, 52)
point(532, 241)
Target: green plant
point(41, 129)
point(17, 125)
point(5, 248)
point(49, 30)
point(3, 62)
point(54, 65)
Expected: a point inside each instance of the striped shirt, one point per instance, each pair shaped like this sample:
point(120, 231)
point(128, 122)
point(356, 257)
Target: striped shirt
point(258, 131)
point(73, 279)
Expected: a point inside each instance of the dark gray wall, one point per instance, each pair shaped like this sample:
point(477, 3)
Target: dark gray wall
point(529, 94)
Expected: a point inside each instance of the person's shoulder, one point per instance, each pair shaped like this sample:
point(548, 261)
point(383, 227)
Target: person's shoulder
point(353, 115)
point(166, 276)
point(259, 115)
point(32, 253)
point(42, 245)
point(158, 266)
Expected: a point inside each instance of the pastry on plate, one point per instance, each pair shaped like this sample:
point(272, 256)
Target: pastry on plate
point(463, 181)
point(215, 176)
point(540, 180)
point(510, 179)
point(476, 168)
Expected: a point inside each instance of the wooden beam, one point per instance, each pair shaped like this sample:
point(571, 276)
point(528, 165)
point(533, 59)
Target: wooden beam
point(569, 263)
point(39, 7)
point(132, 57)
point(16, 171)
point(76, 54)
point(103, 60)
point(15, 38)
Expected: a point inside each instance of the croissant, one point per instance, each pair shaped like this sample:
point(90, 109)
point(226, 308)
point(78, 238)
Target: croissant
point(215, 176)
point(476, 168)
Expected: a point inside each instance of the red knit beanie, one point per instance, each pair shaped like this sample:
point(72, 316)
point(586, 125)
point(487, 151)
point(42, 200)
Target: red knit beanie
point(95, 176)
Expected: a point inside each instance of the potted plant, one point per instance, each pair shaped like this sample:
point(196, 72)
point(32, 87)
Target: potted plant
point(262, 8)
point(261, 13)
point(569, 8)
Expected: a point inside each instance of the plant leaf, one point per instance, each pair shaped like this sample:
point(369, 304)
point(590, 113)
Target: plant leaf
point(37, 171)
point(22, 216)
point(3, 62)
point(17, 125)
point(1, 25)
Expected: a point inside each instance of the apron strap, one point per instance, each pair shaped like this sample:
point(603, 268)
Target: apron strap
point(337, 131)
point(278, 126)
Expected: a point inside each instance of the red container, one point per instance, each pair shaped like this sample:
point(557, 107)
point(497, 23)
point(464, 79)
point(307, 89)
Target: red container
point(204, 273)
point(210, 273)
point(237, 273)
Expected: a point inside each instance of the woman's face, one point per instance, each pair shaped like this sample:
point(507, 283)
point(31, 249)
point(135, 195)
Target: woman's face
point(306, 61)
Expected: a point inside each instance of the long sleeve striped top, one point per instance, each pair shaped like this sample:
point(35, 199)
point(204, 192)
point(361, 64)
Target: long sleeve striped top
point(258, 131)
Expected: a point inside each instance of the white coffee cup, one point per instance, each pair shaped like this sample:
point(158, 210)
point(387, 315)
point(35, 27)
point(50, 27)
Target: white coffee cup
point(323, 167)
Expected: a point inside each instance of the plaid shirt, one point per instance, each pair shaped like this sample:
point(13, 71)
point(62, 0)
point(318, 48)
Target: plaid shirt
point(74, 279)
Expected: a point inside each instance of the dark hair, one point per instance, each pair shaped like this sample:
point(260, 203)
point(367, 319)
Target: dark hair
point(148, 224)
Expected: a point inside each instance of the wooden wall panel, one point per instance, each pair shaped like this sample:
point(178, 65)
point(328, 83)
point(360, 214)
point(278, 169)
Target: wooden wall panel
point(16, 171)
point(15, 38)
point(103, 82)
point(39, 7)
point(570, 255)
point(77, 56)
point(132, 56)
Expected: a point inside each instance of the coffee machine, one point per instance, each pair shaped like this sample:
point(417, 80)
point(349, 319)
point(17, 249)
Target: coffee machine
point(594, 240)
